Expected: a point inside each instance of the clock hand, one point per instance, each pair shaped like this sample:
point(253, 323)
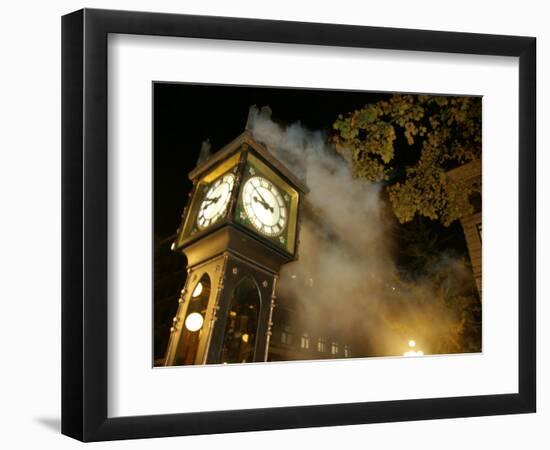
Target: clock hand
point(261, 196)
point(208, 201)
point(265, 204)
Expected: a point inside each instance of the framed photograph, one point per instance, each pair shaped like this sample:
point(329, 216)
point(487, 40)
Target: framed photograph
point(273, 225)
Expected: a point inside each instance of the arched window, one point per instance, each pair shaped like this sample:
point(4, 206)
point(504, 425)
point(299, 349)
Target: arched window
point(347, 351)
point(242, 323)
point(286, 336)
point(193, 324)
point(304, 341)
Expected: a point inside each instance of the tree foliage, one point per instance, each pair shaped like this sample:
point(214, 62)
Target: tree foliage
point(440, 132)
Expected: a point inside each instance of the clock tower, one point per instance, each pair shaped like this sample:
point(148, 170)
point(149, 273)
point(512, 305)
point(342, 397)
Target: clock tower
point(239, 228)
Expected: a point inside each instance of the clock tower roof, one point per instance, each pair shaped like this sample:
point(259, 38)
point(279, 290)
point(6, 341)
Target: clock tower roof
point(259, 148)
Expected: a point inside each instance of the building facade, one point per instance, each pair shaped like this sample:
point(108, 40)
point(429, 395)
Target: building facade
point(470, 174)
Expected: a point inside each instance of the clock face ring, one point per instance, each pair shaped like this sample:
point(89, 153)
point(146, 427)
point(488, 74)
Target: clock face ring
point(215, 202)
point(264, 206)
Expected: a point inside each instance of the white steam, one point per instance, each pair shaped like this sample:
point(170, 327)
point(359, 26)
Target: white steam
point(345, 281)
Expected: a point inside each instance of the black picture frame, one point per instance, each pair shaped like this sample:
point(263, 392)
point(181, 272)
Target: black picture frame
point(84, 224)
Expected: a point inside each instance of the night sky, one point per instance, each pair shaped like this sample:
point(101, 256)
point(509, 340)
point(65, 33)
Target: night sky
point(187, 114)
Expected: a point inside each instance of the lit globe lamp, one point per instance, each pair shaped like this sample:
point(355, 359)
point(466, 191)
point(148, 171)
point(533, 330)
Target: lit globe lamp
point(194, 322)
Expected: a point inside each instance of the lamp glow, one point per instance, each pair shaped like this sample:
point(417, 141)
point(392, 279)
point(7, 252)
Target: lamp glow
point(198, 290)
point(194, 321)
point(411, 351)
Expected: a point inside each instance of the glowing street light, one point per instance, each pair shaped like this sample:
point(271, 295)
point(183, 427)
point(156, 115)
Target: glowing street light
point(194, 321)
point(412, 352)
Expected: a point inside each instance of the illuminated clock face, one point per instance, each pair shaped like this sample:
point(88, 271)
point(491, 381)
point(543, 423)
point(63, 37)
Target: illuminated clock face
point(264, 206)
point(214, 204)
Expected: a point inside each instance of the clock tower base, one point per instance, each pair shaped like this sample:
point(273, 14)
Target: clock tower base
point(234, 294)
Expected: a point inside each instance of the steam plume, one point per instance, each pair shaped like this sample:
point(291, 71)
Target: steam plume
point(345, 279)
